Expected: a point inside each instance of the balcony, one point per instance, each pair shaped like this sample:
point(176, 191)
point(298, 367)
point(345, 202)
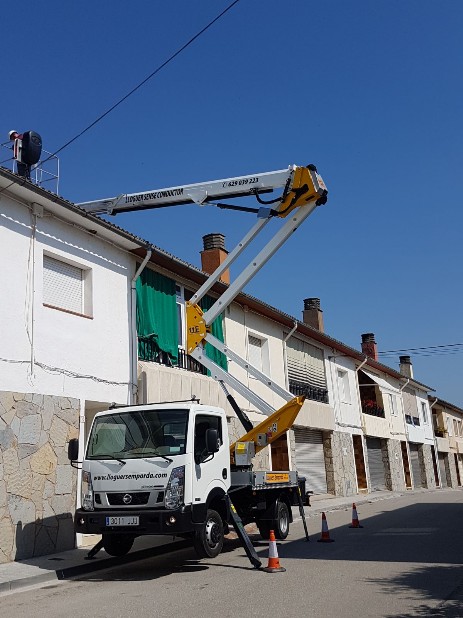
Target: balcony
point(369, 406)
point(149, 351)
point(314, 393)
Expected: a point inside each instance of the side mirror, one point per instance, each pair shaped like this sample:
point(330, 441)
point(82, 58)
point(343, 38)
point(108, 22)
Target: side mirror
point(212, 440)
point(73, 449)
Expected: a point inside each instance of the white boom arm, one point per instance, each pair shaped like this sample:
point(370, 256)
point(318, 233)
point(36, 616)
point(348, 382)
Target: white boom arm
point(303, 189)
point(199, 193)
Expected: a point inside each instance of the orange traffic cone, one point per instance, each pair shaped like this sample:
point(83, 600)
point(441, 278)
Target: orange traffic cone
point(355, 518)
point(325, 537)
point(273, 560)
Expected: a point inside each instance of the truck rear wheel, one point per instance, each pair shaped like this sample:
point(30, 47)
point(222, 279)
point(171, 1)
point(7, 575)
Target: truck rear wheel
point(208, 540)
point(117, 544)
point(279, 525)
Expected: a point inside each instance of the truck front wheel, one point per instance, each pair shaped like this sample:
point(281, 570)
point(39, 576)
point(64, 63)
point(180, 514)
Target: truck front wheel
point(117, 544)
point(208, 540)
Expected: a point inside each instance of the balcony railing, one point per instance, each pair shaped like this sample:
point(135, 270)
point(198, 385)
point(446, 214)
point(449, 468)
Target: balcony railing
point(149, 351)
point(373, 409)
point(314, 393)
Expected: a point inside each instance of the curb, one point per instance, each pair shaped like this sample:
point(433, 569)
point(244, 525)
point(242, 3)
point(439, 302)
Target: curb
point(91, 566)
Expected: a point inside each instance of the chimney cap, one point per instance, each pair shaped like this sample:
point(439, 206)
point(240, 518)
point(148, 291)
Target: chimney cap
point(311, 303)
point(405, 360)
point(215, 240)
point(367, 337)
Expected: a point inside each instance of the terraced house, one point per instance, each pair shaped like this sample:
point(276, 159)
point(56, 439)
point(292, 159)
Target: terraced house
point(96, 315)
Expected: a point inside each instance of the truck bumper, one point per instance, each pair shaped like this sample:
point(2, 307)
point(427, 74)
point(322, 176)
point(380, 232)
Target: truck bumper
point(168, 522)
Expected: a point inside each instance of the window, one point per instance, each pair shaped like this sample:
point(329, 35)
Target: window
point(344, 387)
point(66, 286)
point(392, 404)
point(424, 412)
point(449, 426)
point(305, 363)
point(204, 422)
point(180, 301)
point(455, 427)
point(408, 419)
point(459, 428)
point(255, 352)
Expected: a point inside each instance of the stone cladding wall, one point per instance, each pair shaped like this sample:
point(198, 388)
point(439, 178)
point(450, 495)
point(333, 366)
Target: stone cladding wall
point(37, 482)
point(395, 471)
point(343, 463)
point(427, 468)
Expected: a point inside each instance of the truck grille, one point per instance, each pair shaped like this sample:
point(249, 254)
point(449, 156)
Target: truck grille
point(117, 499)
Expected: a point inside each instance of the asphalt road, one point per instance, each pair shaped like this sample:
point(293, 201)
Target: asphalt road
point(405, 561)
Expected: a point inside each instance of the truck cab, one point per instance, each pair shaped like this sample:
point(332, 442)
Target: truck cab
point(155, 469)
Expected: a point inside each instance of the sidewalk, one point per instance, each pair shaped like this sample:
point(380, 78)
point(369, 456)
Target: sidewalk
point(73, 563)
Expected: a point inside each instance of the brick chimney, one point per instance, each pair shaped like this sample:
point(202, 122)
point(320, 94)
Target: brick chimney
point(312, 314)
point(214, 254)
point(406, 367)
point(369, 346)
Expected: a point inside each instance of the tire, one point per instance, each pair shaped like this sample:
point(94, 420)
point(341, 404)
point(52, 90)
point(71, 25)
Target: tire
point(117, 545)
point(208, 540)
point(280, 525)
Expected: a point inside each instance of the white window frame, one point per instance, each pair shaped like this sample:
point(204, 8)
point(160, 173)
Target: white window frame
point(449, 427)
point(393, 404)
point(424, 412)
point(86, 293)
point(344, 386)
point(264, 365)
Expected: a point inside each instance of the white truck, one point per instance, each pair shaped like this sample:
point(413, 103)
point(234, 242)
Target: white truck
point(168, 468)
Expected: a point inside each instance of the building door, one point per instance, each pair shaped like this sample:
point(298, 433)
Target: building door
point(457, 469)
point(443, 470)
point(279, 450)
point(360, 463)
point(434, 465)
point(416, 467)
point(406, 464)
point(310, 459)
point(376, 465)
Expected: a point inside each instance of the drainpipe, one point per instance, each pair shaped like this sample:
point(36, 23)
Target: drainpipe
point(364, 362)
point(133, 390)
point(435, 442)
point(403, 407)
point(291, 332)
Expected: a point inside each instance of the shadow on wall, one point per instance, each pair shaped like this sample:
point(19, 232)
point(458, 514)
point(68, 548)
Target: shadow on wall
point(44, 536)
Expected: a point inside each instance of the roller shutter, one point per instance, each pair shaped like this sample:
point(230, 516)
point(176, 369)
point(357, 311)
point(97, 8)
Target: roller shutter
point(62, 285)
point(375, 464)
point(443, 471)
point(305, 363)
point(310, 459)
point(416, 467)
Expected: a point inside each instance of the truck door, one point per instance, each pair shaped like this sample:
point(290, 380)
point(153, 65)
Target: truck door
point(210, 470)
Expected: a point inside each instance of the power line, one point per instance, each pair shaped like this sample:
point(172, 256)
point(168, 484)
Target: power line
point(432, 350)
point(151, 75)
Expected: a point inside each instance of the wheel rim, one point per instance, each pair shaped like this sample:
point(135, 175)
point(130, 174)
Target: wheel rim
point(284, 521)
point(212, 533)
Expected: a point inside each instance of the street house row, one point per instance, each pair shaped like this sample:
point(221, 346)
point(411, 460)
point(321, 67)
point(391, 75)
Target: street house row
point(94, 315)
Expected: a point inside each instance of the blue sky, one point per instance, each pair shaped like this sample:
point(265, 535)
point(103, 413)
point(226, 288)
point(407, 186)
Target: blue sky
point(369, 91)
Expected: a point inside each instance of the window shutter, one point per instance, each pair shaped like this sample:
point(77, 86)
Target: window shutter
point(255, 352)
point(62, 285)
point(305, 363)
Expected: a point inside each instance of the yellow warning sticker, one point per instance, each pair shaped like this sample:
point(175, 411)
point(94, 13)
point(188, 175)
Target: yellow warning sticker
point(276, 477)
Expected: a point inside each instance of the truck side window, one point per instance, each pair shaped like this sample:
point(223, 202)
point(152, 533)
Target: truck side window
point(202, 424)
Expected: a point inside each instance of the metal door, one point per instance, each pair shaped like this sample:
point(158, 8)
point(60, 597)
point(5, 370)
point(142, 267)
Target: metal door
point(310, 459)
point(376, 465)
point(416, 467)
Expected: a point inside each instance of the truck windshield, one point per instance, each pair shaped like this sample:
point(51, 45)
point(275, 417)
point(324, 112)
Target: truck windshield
point(143, 433)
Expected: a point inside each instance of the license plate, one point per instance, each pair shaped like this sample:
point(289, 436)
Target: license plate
point(122, 521)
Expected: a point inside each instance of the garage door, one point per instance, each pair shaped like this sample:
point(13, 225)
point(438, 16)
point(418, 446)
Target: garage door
point(416, 467)
point(442, 469)
point(375, 464)
point(310, 459)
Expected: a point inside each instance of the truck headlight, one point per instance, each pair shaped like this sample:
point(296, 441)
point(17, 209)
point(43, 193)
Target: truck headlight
point(87, 491)
point(175, 488)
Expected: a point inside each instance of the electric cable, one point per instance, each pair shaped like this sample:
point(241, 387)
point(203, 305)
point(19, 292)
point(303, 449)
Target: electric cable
point(150, 76)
